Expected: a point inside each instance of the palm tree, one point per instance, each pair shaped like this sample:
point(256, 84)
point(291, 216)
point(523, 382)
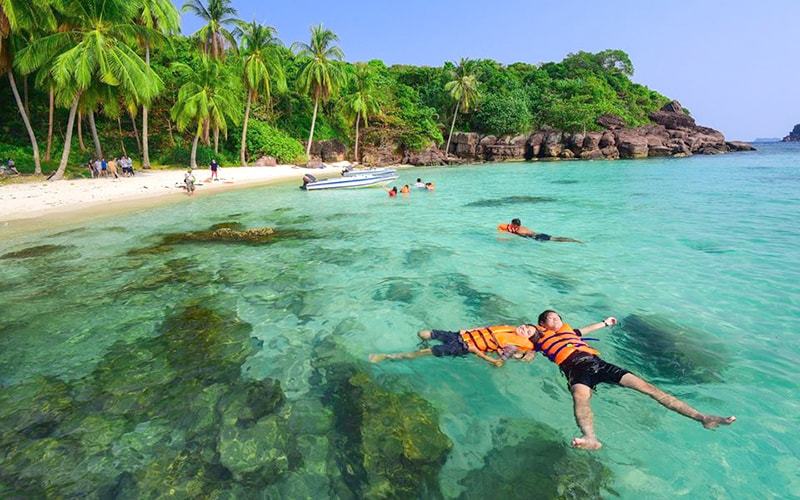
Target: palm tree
point(209, 95)
point(261, 65)
point(321, 76)
point(94, 48)
point(160, 16)
point(463, 89)
point(363, 101)
point(218, 16)
point(16, 17)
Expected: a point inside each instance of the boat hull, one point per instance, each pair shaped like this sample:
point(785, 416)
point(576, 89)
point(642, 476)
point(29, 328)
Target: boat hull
point(351, 182)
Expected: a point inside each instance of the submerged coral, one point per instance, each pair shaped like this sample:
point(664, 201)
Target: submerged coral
point(660, 349)
point(37, 251)
point(511, 200)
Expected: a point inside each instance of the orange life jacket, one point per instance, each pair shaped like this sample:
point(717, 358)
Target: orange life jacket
point(494, 338)
point(508, 228)
point(558, 346)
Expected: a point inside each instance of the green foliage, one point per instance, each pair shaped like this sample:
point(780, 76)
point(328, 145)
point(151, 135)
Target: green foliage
point(180, 155)
point(265, 140)
point(501, 114)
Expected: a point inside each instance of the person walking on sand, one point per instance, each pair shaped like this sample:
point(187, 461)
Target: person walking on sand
point(503, 341)
point(583, 368)
point(214, 168)
point(517, 228)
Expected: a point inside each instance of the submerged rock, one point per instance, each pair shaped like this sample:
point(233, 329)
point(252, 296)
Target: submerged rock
point(387, 444)
point(511, 200)
point(532, 460)
point(657, 348)
point(37, 251)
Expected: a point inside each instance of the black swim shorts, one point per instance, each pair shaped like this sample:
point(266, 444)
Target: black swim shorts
point(587, 369)
point(452, 344)
point(542, 237)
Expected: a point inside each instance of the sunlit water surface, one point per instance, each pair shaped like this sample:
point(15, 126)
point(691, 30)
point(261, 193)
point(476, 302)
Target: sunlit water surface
point(698, 257)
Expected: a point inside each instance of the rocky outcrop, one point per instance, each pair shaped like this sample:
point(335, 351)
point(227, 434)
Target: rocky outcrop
point(329, 151)
point(385, 154)
point(430, 156)
point(266, 161)
point(672, 133)
point(794, 135)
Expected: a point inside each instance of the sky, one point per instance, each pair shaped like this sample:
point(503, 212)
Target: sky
point(734, 64)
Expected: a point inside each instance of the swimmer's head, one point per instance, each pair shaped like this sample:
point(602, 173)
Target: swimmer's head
point(550, 320)
point(516, 222)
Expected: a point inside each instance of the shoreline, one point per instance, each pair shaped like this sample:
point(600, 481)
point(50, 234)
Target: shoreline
point(29, 207)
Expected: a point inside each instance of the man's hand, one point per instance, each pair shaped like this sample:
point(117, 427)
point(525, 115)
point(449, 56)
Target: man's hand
point(610, 321)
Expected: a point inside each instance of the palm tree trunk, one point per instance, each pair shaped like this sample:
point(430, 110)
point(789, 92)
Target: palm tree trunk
point(145, 145)
point(80, 132)
point(25, 92)
point(169, 128)
point(244, 129)
point(121, 139)
point(207, 133)
point(36, 163)
point(59, 174)
point(193, 161)
point(136, 132)
point(450, 136)
point(313, 121)
point(50, 124)
point(214, 45)
point(98, 150)
point(358, 122)
point(216, 139)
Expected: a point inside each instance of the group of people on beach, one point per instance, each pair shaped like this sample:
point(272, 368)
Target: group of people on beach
point(406, 189)
point(565, 346)
point(99, 167)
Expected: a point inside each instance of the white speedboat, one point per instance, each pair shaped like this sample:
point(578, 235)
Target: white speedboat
point(369, 171)
point(310, 183)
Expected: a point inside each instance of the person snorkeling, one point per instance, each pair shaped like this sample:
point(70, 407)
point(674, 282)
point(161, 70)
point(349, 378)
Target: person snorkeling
point(502, 341)
point(517, 228)
point(584, 369)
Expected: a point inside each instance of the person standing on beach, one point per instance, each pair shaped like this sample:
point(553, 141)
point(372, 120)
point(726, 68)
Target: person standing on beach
point(583, 368)
point(214, 168)
point(517, 228)
point(189, 180)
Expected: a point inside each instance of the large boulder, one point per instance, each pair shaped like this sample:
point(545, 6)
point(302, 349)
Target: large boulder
point(533, 147)
point(592, 140)
point(430, 156)
point(386, 154)
point(266, 161)
point(552, 147)
point(632, 143)
point(672, 116)
point(607, 139)
point(739, 146)
point(464, 144)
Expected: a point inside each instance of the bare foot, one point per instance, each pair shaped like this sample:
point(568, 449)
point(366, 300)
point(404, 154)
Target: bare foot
point(586, 443)
point(376, 358)
point(713, 421)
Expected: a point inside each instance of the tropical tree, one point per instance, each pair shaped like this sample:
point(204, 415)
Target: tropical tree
point(93, 48)
point(219, 17)
point(209, 94)
point(322, 75)
point(162, 17)
point(261, 64)
point(16, 18)
point(364, 100)
point(463, 89)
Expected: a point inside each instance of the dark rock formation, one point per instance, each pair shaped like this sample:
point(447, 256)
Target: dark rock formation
point(385, 154)
point(610, 122)
point(328, 151)
point(430, 156)
point(794, 135)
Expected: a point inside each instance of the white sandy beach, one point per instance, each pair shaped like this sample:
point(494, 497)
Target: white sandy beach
point(27, 204)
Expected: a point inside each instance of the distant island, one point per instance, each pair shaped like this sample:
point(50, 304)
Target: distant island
point(794, 135)
point(766, 139)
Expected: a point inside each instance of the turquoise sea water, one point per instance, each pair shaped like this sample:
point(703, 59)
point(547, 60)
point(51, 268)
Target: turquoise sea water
point(104, 391)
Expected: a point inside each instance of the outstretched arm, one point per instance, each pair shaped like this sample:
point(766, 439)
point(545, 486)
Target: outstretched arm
point(496, 362)
point(610, 321)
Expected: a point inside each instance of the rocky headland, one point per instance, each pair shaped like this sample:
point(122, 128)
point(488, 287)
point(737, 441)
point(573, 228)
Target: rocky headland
point(672, 132)
point(794, 135)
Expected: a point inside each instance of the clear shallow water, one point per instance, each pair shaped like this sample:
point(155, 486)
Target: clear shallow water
point(699, 258)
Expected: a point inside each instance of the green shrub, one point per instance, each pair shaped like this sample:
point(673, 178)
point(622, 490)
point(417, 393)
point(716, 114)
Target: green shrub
point(265, 140)
point(502, 114)
point(181, 154)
